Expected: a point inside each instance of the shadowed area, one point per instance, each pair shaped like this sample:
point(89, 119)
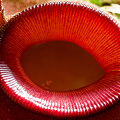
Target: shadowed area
point(60, 66)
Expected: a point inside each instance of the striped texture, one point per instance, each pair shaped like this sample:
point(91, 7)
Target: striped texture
point(87, 27)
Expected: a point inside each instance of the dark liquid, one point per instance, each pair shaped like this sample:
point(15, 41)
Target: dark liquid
point(60, 66)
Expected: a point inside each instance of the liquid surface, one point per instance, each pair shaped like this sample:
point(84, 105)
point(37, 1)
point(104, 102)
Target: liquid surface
point(60, 66)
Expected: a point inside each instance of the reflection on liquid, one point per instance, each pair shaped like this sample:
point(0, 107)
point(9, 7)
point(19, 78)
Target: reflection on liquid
point(60, 66)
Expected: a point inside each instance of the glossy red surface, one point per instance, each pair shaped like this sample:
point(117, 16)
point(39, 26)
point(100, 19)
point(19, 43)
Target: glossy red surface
point(87, 27)
point(9, 110)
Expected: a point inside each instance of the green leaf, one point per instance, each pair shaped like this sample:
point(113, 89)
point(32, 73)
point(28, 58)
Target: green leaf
point(117, 15)
point(97, 2)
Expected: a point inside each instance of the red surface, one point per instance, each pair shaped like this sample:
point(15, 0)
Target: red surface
point(9, 110)
point(92, 30)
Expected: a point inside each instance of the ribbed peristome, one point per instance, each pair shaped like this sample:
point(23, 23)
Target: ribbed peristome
point(83, 25)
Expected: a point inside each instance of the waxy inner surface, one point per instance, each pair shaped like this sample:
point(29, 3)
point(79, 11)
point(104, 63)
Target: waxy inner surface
point(60, 66)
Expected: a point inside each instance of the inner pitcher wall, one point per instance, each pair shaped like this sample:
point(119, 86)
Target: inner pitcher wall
point(60, 66)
